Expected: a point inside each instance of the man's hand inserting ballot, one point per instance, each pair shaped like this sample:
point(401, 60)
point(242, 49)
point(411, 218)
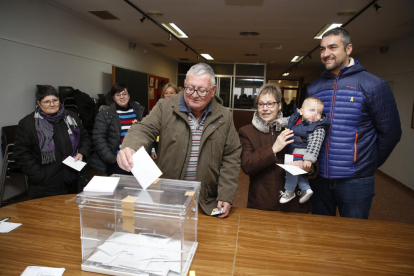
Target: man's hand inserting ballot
point(124, 159)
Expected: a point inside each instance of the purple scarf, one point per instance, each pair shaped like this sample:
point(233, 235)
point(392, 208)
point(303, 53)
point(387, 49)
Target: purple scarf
point(44, 130)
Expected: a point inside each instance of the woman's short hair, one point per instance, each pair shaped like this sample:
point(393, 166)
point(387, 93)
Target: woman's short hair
point(118, 87)
point(165, 87)
point(45, 90)
point(271, 89)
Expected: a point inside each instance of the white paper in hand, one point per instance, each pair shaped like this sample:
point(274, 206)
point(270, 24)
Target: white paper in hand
point(70, 161)
point(145, 170)
point(292, 169)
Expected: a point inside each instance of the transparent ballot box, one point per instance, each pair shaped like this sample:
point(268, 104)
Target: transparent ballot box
point(140, 232)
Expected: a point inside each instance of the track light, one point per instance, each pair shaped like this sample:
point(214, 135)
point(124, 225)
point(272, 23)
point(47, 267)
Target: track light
point(301, 61)
point(310, 56)
point(142, 19)
point(186, 49)
point(198, 56)
point(377, 7)
point(170, 38)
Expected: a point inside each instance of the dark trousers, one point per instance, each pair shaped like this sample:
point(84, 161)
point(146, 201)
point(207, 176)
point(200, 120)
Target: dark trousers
point(352, 196)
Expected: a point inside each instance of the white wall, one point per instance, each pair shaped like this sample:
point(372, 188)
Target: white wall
point(43, 44)
point(397, 66)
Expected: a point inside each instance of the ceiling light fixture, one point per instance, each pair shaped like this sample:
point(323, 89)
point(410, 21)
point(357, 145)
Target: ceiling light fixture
point(175, 30)
point(198, 56)
point(297, 58)
point(285, 74)
point(142, 19)
point(170, 37)
point(207, 56)
point(186, 49)
point(156, 13)
point(346, 13)
point(325, 29)
point(372, 3)
point(249, 33)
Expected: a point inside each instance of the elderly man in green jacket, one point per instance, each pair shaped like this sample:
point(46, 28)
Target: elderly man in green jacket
point(198, 140)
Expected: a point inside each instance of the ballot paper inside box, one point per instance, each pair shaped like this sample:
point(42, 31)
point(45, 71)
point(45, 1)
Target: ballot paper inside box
point(140, 232)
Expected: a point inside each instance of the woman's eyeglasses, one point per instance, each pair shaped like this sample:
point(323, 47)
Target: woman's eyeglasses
point(55, 101)
point(268, 104)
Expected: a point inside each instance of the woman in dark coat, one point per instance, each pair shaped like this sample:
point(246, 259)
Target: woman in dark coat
point(111, 125)
point(263, 144)
point(44, 139)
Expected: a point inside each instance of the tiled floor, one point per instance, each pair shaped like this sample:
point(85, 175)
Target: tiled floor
point(392, 201)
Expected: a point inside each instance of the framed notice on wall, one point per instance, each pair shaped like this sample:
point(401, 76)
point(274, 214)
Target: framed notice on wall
point(151, 82)
point(151, 93)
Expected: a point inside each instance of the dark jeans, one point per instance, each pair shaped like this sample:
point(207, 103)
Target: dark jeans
point(115, 169)
point(352, 196)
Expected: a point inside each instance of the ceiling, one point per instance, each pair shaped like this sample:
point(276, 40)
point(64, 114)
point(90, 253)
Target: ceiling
point(214, 26)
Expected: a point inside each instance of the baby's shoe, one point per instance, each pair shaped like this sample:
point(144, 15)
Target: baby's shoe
point(304, 196)
point(286, 196)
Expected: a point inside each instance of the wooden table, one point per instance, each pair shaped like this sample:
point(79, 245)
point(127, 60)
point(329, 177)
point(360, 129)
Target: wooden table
point(249, 242)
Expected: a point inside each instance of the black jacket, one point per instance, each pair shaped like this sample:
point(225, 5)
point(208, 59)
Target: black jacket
point(53, 178)
point(106, 135)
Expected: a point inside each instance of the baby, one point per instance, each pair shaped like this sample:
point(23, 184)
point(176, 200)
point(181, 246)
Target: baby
point(309, 132)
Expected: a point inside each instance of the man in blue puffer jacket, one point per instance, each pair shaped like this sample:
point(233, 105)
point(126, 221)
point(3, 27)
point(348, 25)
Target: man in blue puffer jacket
point(365, 128)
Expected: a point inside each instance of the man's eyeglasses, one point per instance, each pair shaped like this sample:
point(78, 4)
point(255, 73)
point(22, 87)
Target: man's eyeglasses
point(55, 102)
point(200, 92)
point(120, 95)
point(268, 104)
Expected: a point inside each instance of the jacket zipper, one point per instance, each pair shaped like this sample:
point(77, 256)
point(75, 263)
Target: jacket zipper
point(330, 126)
point(355, 154)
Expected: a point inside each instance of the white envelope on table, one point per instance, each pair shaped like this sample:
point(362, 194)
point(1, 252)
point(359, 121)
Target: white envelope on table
point(145, 170)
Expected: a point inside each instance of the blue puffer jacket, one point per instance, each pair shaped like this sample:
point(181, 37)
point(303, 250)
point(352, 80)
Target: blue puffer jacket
point(365, 125)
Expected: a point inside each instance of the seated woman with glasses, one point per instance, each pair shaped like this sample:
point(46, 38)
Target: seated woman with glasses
point(263, 144)
point(111, 126)
point(44, 139)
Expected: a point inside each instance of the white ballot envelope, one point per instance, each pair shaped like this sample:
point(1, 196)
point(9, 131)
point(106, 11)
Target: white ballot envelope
point(70, 161)
point(145, 170)
point(40, 270)
point(288, 158)
point(292, 169)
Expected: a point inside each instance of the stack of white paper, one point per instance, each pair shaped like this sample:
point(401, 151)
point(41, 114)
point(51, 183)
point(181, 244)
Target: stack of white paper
point(144, 253)
point(101, 185)
point(40, 270)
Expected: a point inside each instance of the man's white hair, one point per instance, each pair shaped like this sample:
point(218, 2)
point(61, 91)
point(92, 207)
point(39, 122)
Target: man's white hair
point(201, 69)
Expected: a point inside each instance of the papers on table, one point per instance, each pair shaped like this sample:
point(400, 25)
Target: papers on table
point(145, 170)
point(292, 169)
point(6, 227)
point(101, 185)
point(142, 253)
point(70, 161)
point(39, 270)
